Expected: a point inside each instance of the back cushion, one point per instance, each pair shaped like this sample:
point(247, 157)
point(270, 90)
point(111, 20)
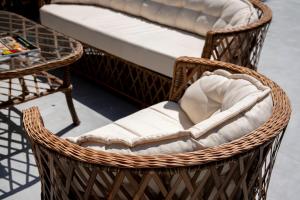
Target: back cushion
point(197, 16)
point(203, 98)
point(217, 92)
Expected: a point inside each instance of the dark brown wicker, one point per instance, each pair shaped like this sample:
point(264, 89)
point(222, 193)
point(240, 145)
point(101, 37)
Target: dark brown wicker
point(240, 45)
point(237, 170)
point(24, 77)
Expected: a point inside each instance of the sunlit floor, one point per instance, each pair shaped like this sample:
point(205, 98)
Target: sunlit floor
point(97, 107)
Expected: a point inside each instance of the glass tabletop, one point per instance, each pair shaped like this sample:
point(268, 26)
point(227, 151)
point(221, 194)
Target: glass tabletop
point(55, 49)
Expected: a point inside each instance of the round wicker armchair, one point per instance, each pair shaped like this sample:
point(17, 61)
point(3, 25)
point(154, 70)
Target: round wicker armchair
point(237, 170)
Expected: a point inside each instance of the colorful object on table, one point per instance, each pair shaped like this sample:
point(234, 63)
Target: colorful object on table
point(15, 45)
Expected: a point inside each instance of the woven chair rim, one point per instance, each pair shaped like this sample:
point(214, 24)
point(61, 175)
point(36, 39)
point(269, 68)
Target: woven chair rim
point(266, 18)
point(244, 145)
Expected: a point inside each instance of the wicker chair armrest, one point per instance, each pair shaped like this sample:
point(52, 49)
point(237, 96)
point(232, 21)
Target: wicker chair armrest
point(33, 122)
point(239, 45)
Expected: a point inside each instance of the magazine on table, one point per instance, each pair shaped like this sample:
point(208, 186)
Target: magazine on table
point(15, 45)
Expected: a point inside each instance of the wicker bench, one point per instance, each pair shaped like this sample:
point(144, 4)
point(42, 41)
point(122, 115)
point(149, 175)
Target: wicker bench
point(139, 65)
point(240, 169)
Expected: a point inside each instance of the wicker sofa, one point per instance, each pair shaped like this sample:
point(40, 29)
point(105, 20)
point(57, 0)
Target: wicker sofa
point(136, 59)
point(239, 169)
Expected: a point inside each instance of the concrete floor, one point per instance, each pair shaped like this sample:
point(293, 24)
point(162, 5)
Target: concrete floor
point(280, 62)
point(97, 107)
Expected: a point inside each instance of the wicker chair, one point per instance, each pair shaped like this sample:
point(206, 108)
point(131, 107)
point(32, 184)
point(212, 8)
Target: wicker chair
point(240, 45)
point(237, 170)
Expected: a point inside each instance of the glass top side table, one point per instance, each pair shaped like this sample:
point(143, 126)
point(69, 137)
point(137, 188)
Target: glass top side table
point(25, 77)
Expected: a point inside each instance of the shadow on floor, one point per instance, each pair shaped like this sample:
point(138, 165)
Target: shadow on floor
point(18, 170)
point(17, 165)
point(110, 104)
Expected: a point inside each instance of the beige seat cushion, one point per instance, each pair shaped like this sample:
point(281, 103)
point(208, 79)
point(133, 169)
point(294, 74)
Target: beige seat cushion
point(147, 44)
point(153, 130)
point(223, 107)
point(197, 16)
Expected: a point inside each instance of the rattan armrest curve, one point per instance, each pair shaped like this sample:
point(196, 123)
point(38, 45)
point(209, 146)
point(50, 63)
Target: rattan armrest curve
point(265, 19)
point(39, 135)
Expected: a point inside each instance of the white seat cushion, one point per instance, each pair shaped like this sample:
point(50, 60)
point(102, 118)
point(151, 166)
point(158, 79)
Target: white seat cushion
point(197, 16)
point(240, 105)
point(147, 44)
point(153, 130)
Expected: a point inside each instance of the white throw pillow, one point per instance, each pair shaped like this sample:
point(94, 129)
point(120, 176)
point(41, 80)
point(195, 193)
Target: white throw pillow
point(204, 97)
point(217, 91)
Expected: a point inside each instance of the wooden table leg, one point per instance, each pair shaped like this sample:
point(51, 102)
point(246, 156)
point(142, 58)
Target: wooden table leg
point(68, 93)
point(25, 90)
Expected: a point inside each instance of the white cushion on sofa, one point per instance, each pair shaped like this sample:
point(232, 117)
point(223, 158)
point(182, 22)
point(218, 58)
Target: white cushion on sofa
point(165, 128)
point(150, 45)
point(197, 16)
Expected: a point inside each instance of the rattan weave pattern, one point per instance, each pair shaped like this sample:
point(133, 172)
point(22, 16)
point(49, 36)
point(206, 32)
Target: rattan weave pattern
point(237, 170)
